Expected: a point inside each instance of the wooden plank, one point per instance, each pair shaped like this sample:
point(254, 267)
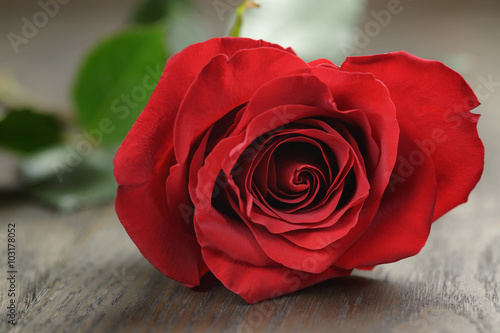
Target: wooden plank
point(80, 272)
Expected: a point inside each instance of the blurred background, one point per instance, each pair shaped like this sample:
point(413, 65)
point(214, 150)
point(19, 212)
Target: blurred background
point(67, 65)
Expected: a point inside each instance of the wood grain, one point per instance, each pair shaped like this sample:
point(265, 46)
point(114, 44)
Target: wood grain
point(79, 272)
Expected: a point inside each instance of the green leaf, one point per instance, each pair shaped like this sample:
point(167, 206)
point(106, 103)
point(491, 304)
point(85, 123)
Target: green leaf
point(117, 79)
point(150, 11)
point(26, 131)
point(51, 179)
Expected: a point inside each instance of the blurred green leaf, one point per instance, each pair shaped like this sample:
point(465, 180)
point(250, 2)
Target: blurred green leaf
point(26, 131)
point(117, 79)
point(154, 11)
point(150, 11)
point(67, 186)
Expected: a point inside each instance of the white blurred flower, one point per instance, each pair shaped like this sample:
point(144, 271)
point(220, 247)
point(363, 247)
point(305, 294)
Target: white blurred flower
point(313, 28)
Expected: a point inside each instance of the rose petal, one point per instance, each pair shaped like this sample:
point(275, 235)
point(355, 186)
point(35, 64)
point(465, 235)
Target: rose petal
point(323, 63)
point(216, 160)
point(320, 253)
point(355, 91)
point(282, 184)
point(238, 77)
point(437, 101)
point(320, 211)
point(152, 133)
point(222, 233)
point(402, 224)
point(190, 123)
point(142, 165)
point(161, 235)
point(300, 88)
point(253, 131)
point(345, 220)
point(258, 283)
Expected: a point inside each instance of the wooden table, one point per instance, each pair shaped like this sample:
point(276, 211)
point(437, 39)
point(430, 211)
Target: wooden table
point(79, 272)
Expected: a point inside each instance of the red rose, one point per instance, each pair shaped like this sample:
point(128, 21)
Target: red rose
point(275, 174)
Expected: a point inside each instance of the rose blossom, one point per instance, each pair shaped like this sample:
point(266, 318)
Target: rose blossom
point(275, 174)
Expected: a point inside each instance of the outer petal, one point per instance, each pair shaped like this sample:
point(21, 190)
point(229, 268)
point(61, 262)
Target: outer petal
point(437, 101)
point(224, 84)
point(256, 283)
point(142, 165)
point(323, 63)
point(161, 235)
point(221, 233)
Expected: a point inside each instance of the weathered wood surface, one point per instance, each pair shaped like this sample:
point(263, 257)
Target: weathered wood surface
point(79, 272)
